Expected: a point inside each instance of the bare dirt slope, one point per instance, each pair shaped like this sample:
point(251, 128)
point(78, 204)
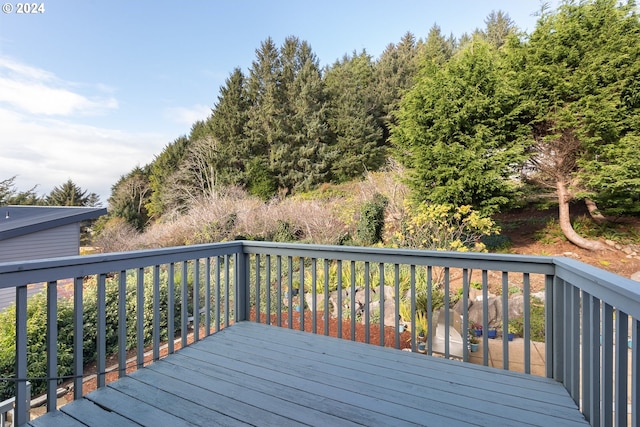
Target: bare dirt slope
point(530, 234)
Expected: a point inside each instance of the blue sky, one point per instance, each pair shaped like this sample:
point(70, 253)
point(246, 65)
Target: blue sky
point(90, 89)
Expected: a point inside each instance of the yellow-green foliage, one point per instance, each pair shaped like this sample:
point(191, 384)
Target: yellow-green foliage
point(444, 227)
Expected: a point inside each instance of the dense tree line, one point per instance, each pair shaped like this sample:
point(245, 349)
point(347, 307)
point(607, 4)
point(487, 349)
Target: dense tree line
point(558, 109)
point(66, 194)
point(474, 119)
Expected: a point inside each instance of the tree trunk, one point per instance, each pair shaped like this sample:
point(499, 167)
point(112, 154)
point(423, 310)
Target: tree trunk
point(564, 197)
point(593, 211)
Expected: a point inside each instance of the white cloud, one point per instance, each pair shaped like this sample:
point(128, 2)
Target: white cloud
point(43, 143)
point(37, 91)
point(188, 116)
point(47, 152)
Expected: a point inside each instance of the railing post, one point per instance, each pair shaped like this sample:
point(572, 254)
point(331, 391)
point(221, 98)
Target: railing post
point(52, 345)
point(242, 286)
point(20, 413)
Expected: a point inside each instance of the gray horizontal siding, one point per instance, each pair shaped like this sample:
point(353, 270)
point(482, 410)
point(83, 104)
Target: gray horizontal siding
point(54, 242)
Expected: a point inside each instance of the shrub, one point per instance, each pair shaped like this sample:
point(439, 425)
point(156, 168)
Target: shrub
point(444, 227)
point(37, 327)
point(36, 343)
point(371, 222)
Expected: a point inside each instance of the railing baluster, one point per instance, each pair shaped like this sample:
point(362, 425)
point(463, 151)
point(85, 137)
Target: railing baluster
point(196, 300)
point(367, 298)
point(557, 331)
point(465, 315)
point(526, 328)
point(446, 312)
point(267, 285)
point(184, 309)
point(340, 288)
point(549, 327)
point(352, 302)
point(227, 286)
point(396, 315)
point(594, 366)
point(207, 296)
point(140, 318)
point(485, 317)
point(635, 371)
point(101, 331)
point(218, 304)
point(327, 314)
point(241, 286)
point(313, 293)
point(78, 338)
point(156, 312)
point(505, 320)
point(574, 364)
point(52, 345)
point(171, 331)
point(301, 298)
point(607, 365)
point(257, 291)
point(290, 290)
point(381, 295)
point(621, 368)
point(412, 287)
point(587, 362)
point(122, 324)
point(279, 274)
point(430, 330)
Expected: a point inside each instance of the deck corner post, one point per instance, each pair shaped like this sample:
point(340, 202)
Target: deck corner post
point(242, 285)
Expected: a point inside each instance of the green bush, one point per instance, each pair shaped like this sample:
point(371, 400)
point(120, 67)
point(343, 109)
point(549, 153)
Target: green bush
point(371, 222)
point(37, 327)
point(36, 343)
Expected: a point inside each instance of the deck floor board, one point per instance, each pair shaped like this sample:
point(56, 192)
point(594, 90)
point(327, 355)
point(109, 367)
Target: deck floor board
point(251, 374)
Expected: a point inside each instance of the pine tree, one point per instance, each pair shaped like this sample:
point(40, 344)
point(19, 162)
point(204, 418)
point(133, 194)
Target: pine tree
point(68, 194)
point(227, 123)
point(359, 144)
point(265, 116)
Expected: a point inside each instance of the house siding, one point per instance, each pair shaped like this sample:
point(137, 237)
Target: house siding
point(55, 242)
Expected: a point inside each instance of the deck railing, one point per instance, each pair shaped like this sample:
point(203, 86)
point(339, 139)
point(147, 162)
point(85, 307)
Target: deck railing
point(591, 316)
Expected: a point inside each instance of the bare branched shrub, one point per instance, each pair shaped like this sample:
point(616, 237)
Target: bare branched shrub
point(117, 236)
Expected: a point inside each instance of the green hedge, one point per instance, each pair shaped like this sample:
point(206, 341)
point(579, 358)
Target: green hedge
point(37, 328)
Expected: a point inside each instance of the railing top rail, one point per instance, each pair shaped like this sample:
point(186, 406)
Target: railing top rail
point(615, 290)
point(34, 271)
point(471, 260)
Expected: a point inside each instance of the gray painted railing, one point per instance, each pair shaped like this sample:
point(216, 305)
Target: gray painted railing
point(206, 287)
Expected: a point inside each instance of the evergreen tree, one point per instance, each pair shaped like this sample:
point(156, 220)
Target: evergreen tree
point(438, 48)
point(459, 132)
point(300, 159)
point(265, 116)
point(9, 195)
point(359, 144)
point(227, 123)
point(579, 75)
point(499, 26)
point(394, 74)
point(69, 194)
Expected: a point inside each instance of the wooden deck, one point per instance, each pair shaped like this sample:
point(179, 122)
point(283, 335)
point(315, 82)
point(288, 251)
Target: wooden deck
point(251, 374)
